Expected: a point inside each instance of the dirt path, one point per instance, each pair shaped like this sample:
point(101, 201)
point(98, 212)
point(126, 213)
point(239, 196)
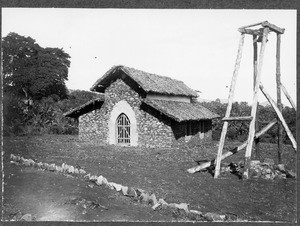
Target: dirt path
point(50, 196)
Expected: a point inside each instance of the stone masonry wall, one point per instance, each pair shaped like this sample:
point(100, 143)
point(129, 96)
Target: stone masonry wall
point(152, 132)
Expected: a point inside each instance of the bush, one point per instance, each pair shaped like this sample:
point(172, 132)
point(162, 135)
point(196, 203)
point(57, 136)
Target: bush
point(43, 116)
point(239, 130)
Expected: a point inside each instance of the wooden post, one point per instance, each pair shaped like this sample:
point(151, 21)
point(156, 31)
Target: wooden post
point(279, 115)
point(288, 96)
point(229, 106)
point(279, 105)
point(254, 105)
point(257, 152)
point(232, 151)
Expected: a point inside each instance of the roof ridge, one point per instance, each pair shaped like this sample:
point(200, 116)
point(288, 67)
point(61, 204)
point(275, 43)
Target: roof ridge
point(149, 82)
point(162, 76)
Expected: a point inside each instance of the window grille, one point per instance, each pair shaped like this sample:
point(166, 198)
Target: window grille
point(123, 129)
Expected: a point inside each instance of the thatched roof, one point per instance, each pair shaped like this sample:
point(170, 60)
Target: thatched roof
point(181, 111)
point(150, 83)
point(85, 108)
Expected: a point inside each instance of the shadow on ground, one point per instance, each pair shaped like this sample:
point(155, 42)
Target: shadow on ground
point(48, 196)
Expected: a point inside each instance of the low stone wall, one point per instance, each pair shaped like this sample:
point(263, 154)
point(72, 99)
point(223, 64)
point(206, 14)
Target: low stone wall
point(138, 194)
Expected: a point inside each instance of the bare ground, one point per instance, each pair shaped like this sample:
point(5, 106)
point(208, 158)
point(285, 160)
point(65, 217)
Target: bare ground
point(159, 171)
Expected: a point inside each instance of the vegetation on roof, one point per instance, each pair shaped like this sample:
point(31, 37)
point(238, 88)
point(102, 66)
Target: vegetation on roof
point(84, 108)
point(181, 111)
point(149, 82)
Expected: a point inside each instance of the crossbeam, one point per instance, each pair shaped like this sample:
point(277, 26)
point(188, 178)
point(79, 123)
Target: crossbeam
point(253, 25)
point(266, 24)
point(250, 31)
point(273, 27)
point(241, 118)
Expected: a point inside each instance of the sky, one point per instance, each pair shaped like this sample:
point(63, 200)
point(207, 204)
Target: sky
point(196, 46)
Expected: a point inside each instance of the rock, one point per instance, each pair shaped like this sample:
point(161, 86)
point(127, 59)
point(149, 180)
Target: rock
point(71, 169)
point(144, 197)
point(109, 185)
point(280, 167)
point(182, 206)
point(26, 162)
point(13, 157)
point(69, 176)
point(76, 171)
point(152, 199)
point(269, 161)
point(90, 185)
point(124, 190)
point(268, 176)
point(241, 164)
point(26, 217)
point(280, 176)
point(214, 217)
point(139, 191)
point(272, 176)
point(131, 192)
point(163, 202)
point(104, 181)
point(81, 171)
point(87, 176)
point(18, 158)
point(67, 168)
point(31, 162)
point(225, 169)
point(154, 207)
point(93, 178)
point(40, 165)
point(13, 162)
point(118, 187)
point(172, 205)
point(45, 166)
point(268, 171)
point(59, 169)
point(17, 216)
point(160, 202)
point(254, 173)
point(52, 167)
point(290, 174)
point(196, 212)
point(254, 163)
point(99, 180)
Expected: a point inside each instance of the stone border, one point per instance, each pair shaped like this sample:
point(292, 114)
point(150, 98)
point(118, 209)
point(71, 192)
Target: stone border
point(140, 194)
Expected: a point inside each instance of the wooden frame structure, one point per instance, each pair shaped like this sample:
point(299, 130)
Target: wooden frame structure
point(259, 35)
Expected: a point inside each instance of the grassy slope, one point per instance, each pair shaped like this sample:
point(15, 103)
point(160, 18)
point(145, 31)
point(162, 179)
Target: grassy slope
point(163, 172)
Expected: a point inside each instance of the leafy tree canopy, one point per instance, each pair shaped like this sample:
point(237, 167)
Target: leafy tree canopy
point(31, 70)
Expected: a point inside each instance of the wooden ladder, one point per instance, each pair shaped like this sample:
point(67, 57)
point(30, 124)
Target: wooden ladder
point(262, 36)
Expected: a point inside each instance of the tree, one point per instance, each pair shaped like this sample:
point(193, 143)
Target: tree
point(33, 71)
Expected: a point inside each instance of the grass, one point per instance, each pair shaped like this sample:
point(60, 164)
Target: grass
point(164, 172)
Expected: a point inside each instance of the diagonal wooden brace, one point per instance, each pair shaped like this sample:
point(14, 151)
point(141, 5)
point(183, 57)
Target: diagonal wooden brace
point(232, 151)
point(273, 104)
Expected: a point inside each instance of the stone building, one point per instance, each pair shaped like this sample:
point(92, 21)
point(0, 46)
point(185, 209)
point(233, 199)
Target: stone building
point(142, 109)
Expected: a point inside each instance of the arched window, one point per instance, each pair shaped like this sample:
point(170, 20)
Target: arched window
point(123, 129)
